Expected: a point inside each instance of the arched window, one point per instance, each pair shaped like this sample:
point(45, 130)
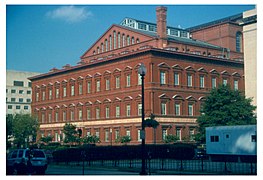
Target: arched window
point(123, 40)
point(110, 43)
point(114, 39)
point(106, 45)
point(98, 50)
point(102, 47)
point(238, 41)
point(128, 40)
point(119, 40)
point(133, 40)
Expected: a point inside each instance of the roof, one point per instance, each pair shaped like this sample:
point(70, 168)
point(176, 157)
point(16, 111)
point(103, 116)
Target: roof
point(228, 19)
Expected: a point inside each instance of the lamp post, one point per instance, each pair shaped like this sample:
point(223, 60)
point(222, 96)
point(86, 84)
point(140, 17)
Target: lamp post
point(110, 136)
point(142, 72)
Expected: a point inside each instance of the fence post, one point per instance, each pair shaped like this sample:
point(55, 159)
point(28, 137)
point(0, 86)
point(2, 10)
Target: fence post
point(225, 167)
point(251, 167)
point(181, 165)
point(202, 164)
point(162, 164)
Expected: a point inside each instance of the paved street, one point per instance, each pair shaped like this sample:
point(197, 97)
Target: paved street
point(77, 170)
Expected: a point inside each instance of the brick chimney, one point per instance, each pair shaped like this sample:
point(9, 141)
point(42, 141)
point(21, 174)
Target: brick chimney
point(161, 26)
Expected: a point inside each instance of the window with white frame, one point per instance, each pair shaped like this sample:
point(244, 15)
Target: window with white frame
point(163, 108)
point(176, 79)
point(57, 92)
point(189, 80)
point(139, 79)
point(128, 110)
point(72, 115)
point(128, 40)
point(107, 135)
point(191, 134)
point(128, 132)
point(72, 90)
point(106, 45)
point(88, 113)
point(110, 43)
point(117, 79)
point(107, 84)
point(162, 77)
point(107, 112)
point(64, 91)
point(128, 80)
point(97, 133)
point(114, 40)
point(98, 85)
point(123, 40)
point(80, 114)
point(139, 109)
point(139, 135)
point(97, 113)
point(190, 110)
point(50, 94)
point(80, 89)
point(164, 133)
point(43, 117)
point(37, 97)
point(64, 114)
point(177, 109)
point(117, 111)
point(49, 117)
point(178, 134)
point(235, 84)
point(43, 95)
point(224, 82)
point(202, 81)
point(117, 133)
point(213, 82)
point(119, 40)
point(89, 87)
point(56, 116)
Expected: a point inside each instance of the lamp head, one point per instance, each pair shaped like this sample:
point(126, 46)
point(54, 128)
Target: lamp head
point(142, 69)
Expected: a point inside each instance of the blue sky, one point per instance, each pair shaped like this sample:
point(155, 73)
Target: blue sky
point(40, 37)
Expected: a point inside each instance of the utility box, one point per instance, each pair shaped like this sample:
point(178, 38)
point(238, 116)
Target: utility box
point(232, 140)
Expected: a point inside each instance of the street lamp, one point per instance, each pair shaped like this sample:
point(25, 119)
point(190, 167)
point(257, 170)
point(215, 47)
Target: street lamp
point(142, 72)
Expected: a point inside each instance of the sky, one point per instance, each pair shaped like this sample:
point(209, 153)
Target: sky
point(40, 37)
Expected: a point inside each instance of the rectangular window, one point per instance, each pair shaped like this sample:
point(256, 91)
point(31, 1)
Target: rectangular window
point(13, 99)
point(97, 113)
point(235, 84)
point(80, 89)
point(139, 135)
point(9, 106)
point(29, 84)
point(57, 93)
point(106, 135)
point(202, 81)
point(43, 117)
point(163, 108)
point(37, 97)
point(189, 80)
point(177, 109)
point(72, 115)
point(72, 90)
point(49, 118)
point(43, 95)
point(139, 79)
point(214, 138)
point(253, 138)
point(224, 82)
point(191, 134)
point(28, 100)
point(117, 134)
point(64, 115)
point(13, 91)
point(89, 87)
point(50, 94)
point(20, 100)
point(98, 86)
point(107, 112)
point(190, 110)
point(164, 133)
point(80, 114)
point(128, 80)
point(21, 91)
point(139, 109)
point(97, 133)
point(107, 81)
point(19, 83)
point(176, 79)
point(88, 114)
point(178, 134)
point(56, 116)
point(18, 107)
point(213, 82)
point(128, 110)
point(128, 132)
point(117, 82)
point(26, 107)
point(64, 91)
point(28, 92)
point(162, 77)
point(117, 111)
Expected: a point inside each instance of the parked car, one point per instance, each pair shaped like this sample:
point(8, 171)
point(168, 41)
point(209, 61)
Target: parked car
point(34, 160)
point(200, 154)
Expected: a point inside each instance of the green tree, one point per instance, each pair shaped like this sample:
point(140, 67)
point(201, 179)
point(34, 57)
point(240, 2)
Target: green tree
point(123, 139)
point(71, 134)
point(170, 138)
point(9, 129)
point(91, 139)
point(24, 127)
point(225, 107)
point(46, 139)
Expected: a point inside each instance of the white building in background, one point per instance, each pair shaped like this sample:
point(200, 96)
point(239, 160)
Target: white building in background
point(18, 92)
point(249, 24)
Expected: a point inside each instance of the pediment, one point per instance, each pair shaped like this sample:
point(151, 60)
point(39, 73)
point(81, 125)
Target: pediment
point(190, 98)
point(202, 70)
point(123, 31)
point(178, 97)
point(189, 68)
point(177, 67)
point(164, 96)
point(213, 71)
point(225, 73)
point(164, 65)
point(236, 74)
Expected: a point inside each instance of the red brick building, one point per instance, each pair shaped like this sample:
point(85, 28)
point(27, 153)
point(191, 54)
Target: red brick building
point(102, 93)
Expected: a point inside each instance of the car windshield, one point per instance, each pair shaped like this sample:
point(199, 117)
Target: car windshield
point(38, 154)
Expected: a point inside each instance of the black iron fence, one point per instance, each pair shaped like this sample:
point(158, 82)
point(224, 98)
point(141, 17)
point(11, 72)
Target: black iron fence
point(186, 166)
